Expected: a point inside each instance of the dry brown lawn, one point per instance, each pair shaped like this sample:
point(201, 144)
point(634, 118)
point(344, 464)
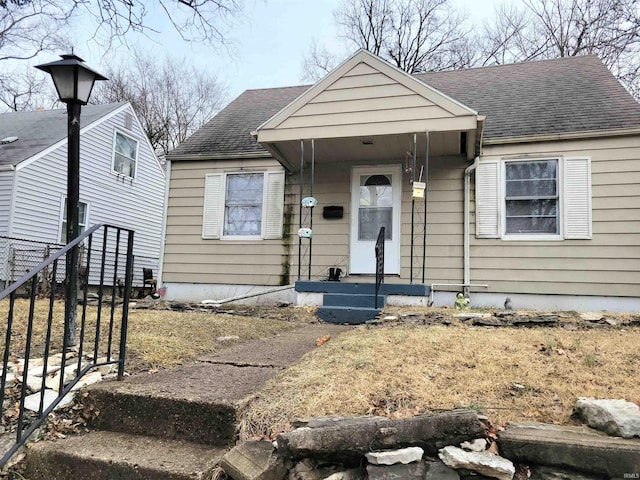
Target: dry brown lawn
point(156, 338)
point(508, 374)
point(531, 374)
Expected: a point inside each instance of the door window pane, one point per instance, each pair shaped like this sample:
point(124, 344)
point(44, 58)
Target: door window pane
point(375, 207)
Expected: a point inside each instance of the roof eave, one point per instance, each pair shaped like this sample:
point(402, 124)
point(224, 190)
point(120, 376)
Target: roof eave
point(218, 156)
point(550, 137)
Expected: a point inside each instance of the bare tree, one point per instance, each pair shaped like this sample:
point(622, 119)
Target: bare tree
point(172, 98)
point(27, 27)
point(317, 63)
point(25, 89)
point(414, 35)
point(561, 28)
point(195, 20)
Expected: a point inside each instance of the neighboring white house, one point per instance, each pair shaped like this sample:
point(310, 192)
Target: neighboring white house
point(121, 183)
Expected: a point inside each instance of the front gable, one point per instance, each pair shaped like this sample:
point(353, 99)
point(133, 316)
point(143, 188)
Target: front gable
point(366, 96)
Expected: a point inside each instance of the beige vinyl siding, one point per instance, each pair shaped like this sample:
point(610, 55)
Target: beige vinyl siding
point(608, 264)
point(191, 259)
point(330, 246)
point(360, 99)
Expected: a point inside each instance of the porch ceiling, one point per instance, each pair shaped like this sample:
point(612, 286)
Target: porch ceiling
point(369, 149)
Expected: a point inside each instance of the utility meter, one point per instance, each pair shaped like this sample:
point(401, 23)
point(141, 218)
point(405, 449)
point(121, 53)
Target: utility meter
point(304, 233)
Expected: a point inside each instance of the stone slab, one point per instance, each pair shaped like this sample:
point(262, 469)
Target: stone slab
point(484, 463)
point(411, 471)
point(548, 473)
point(393, 457)
point(618, 418)
point(101, 455)
point(253, 460)
point(439, 471)
point(577, 448)
point(351, 441)
point(32, 402)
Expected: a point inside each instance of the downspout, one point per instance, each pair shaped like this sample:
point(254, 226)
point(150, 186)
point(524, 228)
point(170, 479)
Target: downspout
point(467, 227)
point(467, 207)
point(163, 234)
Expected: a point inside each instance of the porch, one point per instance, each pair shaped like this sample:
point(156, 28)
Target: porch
point(369, 147)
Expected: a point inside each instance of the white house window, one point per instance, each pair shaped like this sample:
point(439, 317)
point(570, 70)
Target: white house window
point(531, 197)
point(124, 155)
point(243, 205)
point(82, 219)
point(534, 199)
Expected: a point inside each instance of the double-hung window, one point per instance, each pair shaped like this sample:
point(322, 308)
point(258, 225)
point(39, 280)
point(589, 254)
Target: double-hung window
point(83, 214)
point(243, 205)
point(125, 153)
point(531, 197)
point(534, 199)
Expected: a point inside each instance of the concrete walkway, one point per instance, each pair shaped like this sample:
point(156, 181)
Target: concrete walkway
point(174, 424)
point(231, 374)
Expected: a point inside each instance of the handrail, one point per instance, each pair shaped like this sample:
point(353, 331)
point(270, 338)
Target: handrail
point(95, 356)
point(379, 263)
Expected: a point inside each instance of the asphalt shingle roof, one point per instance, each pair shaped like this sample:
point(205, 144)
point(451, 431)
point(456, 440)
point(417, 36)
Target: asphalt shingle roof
point(38, 130)
point(524, 99)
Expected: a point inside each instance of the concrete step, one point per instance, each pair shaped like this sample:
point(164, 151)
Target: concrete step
point(362, 288)
point(578, 448)
point(352, 300)
point(197, 402)
point(350, 315)
point(109, 455)
point(202, 411)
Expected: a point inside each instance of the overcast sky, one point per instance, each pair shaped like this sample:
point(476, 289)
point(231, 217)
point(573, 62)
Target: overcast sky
point(269, 42)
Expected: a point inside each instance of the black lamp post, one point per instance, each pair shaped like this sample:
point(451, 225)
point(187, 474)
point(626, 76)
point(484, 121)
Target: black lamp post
point(73, 81)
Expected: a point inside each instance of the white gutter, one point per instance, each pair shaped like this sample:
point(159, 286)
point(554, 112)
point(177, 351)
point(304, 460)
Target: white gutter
point(163, 234)
point(7, 168)
point(467, 227)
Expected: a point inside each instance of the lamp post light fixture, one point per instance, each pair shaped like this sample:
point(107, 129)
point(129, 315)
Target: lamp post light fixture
point(73, 81)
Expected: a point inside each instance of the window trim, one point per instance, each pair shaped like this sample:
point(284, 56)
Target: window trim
point(528, 237)
point(262, 206)
point(117, 131)
point(63, 211)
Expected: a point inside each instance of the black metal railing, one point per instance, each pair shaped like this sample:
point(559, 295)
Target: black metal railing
point(96, 331)
point(379, 263)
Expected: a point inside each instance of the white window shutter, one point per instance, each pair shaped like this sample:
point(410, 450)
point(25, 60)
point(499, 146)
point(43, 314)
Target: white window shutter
point(213, 203)
point(577, 198)
point(275, 205)
point(488, 199)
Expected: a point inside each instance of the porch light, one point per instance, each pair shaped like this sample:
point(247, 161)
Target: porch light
point(73, 81)
point(72, 78)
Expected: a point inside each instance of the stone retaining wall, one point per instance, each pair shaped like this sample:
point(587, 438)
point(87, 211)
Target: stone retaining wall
point(455, 445)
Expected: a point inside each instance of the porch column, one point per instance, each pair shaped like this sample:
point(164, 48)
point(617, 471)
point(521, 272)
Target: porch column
point(306, 211)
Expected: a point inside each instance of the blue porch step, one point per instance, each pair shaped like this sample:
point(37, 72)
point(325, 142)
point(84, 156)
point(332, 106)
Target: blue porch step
point(352, 300)
point(413, 289)
point(350, 315)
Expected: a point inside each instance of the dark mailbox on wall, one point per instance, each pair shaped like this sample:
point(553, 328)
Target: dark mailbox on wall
point(332, 211)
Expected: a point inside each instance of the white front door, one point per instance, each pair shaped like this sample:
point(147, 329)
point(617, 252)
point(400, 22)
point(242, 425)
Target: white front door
point(375, 203)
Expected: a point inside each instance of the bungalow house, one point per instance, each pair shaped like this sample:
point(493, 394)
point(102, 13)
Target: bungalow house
point(121, 183)
point(517, 181)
